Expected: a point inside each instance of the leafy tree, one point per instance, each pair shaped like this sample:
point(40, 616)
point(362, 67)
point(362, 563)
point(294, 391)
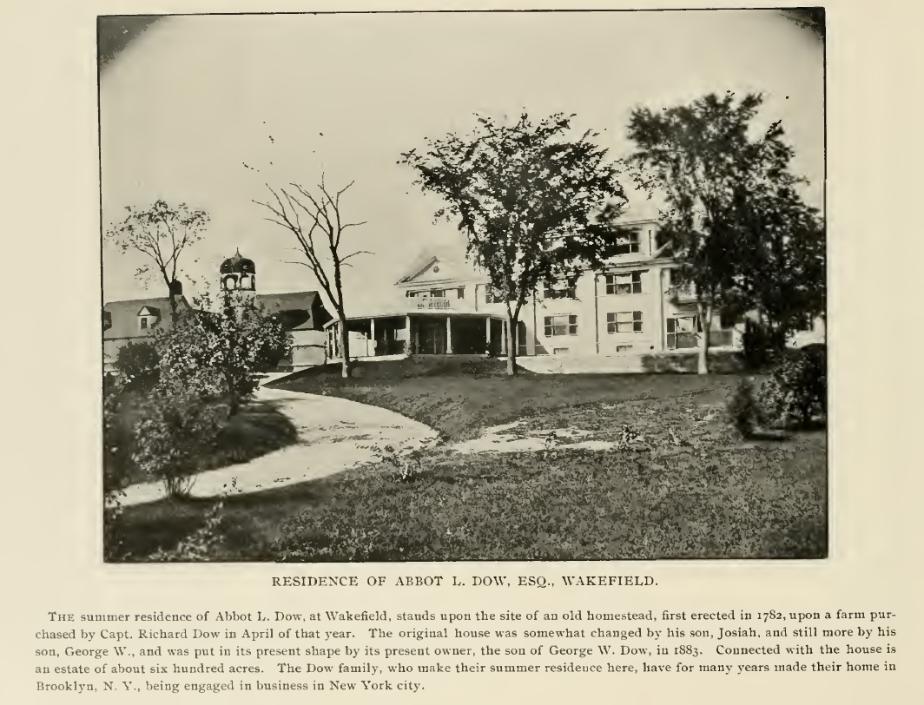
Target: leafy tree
point(721, 186)
point(137, 363)
point(161, 232)
point(530, 200)
point(233, 341)
point(784, 272)
point(324, 256)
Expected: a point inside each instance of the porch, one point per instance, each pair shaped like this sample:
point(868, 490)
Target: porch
point(420, 333)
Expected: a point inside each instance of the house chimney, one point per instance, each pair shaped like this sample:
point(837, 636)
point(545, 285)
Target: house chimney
point(176, 288)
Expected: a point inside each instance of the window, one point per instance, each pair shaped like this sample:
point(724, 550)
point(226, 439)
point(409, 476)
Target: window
point(626, 283)
point(624, 322)
point(559, 290)
point(144, 322)
point(460, 292)
point(627, 243)
point(681, 332)
point(675, 280)
point(560, 325)
point(623, 348)
point(438, 293)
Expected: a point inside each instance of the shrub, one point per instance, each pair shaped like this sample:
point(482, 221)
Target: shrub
point(407, 464)
point(113, 440)
point(138, 363)
point(179, 422)
point(795, 396)
point(743, 410)
point(236, 340)
point(116, 445)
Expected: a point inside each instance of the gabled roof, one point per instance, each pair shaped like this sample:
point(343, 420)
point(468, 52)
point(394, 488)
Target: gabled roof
point(452, 267)
point(290, 304)
point(124, 316)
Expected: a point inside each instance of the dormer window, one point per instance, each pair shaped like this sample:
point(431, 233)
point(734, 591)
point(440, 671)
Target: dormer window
point(148, 317)
point(627, 243)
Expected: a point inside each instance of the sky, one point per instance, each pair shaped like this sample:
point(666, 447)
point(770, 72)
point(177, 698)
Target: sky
point(207, 110)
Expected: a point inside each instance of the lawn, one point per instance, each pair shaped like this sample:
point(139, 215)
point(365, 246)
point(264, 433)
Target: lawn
point(685, 485)
point(460, 398)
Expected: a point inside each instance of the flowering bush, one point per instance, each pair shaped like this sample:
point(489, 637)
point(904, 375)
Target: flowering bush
point(179, 421)
point(796, 393)
point(233, 342)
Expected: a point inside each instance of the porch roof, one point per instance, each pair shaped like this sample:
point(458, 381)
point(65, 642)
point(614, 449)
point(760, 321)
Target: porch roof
point(422, 313)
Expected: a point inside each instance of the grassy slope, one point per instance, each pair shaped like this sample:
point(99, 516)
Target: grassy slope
point(459, 399)
point(690, 488)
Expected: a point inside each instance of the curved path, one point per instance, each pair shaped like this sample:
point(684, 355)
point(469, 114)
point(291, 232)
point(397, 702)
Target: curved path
point(334, 434)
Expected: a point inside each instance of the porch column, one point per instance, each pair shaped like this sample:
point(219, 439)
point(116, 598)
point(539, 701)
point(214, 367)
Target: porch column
point(504, 328)
point(658, 276)
point(407, 337)
point(448, 335)
point(371, 336)
point(487, 333)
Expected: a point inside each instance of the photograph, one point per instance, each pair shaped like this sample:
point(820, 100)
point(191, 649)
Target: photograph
point(430, 286)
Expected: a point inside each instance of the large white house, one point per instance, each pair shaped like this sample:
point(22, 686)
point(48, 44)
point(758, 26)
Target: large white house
point(616, 317)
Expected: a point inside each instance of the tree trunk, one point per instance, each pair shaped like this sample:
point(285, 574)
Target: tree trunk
point(234, 403)
point(705, 320)
point(511, 346)
point(345, 370)
point(171, 297)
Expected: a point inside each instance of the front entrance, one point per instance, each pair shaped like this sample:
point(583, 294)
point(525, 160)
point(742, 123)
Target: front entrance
point(521, 339)
point(432, 333)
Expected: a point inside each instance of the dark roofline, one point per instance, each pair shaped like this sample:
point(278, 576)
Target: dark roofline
point(147, 300)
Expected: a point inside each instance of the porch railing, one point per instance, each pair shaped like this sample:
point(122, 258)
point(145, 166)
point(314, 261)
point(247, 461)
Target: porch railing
point(434, 304)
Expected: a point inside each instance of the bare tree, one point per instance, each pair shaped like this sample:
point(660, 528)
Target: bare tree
point(314, 217)
point(161, 232)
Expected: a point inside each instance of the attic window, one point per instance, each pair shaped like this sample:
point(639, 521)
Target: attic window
point(436, 268)
point(627, 243)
